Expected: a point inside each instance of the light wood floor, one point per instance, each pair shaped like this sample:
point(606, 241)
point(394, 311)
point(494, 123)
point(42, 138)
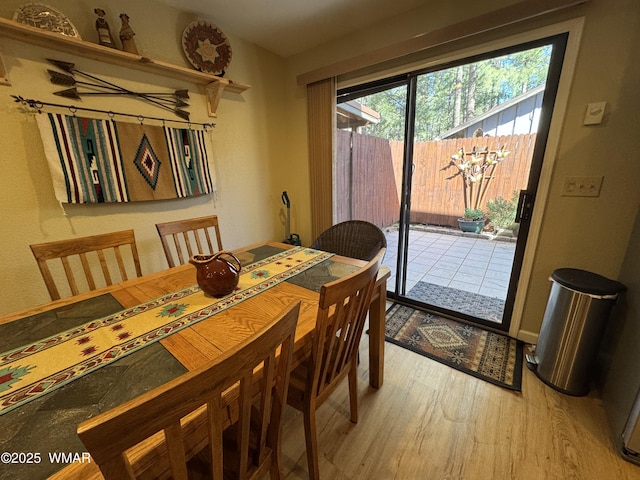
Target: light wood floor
point(429, 421)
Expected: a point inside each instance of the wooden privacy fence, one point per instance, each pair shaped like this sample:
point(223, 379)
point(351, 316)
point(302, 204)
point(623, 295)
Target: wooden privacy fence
point(368, 177)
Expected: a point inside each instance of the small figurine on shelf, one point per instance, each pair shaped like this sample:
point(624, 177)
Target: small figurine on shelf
point(126, 35)
point(104, 32)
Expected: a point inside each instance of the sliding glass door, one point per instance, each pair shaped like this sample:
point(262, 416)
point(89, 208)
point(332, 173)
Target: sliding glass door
point(465, 140)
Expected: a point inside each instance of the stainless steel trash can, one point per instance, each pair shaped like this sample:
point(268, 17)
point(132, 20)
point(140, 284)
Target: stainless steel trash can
point(577, 310)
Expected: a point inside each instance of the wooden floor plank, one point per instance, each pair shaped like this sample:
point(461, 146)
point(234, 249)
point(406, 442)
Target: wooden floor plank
point(429, 421)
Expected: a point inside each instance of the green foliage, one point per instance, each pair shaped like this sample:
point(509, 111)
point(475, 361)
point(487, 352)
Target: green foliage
point(502, 212)
point(473, 214)
point(484, 85)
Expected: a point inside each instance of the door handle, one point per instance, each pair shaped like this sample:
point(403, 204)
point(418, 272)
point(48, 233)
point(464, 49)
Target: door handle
point(525, 206)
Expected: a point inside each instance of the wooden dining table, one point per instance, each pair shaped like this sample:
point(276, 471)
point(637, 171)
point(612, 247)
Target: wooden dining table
point(47, 425)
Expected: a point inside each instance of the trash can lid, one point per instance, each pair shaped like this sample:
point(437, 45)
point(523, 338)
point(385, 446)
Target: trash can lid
point(586, 282)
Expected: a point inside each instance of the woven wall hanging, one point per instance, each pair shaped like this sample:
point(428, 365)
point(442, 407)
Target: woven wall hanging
point(103, 161)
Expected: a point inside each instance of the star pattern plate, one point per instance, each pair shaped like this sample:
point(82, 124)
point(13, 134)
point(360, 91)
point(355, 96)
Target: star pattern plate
point(206, 47)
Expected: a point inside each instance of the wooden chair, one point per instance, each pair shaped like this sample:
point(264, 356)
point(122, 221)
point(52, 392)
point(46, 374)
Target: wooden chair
point(353, 238)
point(184, 233)
point(342, 312)
point(108, 435)
point(82, 246)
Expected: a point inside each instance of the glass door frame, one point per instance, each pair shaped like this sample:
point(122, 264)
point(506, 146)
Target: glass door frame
point(525, 208)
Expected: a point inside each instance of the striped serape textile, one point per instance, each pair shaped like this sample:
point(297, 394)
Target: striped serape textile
point(103, 161)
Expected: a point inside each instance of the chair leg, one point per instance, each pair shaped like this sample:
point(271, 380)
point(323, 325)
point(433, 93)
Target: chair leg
point(353, 391)
point(276, 471)
point(311, 438)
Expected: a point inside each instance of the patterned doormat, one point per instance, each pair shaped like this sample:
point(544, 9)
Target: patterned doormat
point(489, 356)
point(474, 304)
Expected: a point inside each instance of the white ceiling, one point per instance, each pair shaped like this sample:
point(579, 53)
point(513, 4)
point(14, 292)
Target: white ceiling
point(287, 27)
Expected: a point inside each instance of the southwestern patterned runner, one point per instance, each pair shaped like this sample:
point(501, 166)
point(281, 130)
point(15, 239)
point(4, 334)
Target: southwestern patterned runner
point(486, 355)
point(35, 369)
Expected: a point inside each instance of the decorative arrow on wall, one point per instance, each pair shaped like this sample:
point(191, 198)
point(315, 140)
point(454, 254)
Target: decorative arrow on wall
point(172, 101)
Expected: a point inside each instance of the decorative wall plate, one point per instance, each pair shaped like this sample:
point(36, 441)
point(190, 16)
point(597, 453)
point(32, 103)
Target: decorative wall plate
point(206, 47)
point(46, 18)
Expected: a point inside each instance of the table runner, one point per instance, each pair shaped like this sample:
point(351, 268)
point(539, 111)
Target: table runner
point(35, 369)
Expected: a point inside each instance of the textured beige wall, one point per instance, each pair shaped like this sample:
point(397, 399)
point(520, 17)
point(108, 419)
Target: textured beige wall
point(587, 233)
point(260, 144)
point(246, 147)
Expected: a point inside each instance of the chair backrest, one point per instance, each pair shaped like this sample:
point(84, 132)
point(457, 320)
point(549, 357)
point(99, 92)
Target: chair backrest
point(186, 234)
point(353, 238)
point(343, 308)
point(64, 249)
point(109, 434)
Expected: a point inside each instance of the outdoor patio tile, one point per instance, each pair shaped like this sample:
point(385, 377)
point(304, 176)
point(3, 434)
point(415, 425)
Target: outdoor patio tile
point(498, 271)
point(439, 271)
point(501, 275)
point(503, 256)
point(439, 245)
point(467, 242)
point(411, 257)
point(467, 278)
point(436, 280)
point(501, 261)
point(413, 249)
point(502, 252)
point(467, 287)
point(433, 235)
point(410, 285)
point(483, 248)
point(471, 270)
point(413, 253)
point(414, 235)
point(415, 268)
point(414, 275)
point(445, 240)
point(496, 282)
point(443, 270)
point(425, 260)
point(437, 250)
point(428, 255)
point(492, 292)
point(457, 252)
point(452, 259)
point(423, 240)
point(467, 263)
point(444, 265)
point(474, 262)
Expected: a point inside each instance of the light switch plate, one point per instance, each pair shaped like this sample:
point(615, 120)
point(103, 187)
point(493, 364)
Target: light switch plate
point(582, 186)
point(595, 112)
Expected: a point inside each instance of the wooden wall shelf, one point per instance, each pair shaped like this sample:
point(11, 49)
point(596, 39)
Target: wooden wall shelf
point(213, 85)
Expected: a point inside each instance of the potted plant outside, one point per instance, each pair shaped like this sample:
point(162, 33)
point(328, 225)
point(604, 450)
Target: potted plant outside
point(502, 215)
point(476, 170)
point(472, 221)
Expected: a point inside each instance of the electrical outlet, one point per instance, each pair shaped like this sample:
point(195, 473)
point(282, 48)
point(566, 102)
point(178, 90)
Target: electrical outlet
point(582, 186)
